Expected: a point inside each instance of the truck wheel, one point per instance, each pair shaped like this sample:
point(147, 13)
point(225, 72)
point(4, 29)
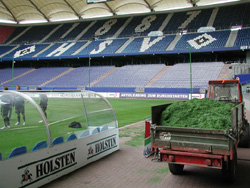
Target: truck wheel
point(245, 139)
point(229, 170)
point(175, 169)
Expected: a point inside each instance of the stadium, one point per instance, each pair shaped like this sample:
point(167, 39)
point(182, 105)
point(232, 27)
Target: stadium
point(95, 59)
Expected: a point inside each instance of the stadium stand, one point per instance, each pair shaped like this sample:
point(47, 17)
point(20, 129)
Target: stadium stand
point(208, 40)
point(169, 23)
point(79, 77)
point(126, 76)
point(6, 74)
point(90, 33)
point(103, 29)
point(26, 51)
point(130, 76)
point(104, 47)
point(178, 76)
point(16, 33)
point(39, 76)
point(97, 35)
point(5, 49)
point(205, 41)
point(77, 29)
point(61, 49)
point(5, 33)
point(142, 25)
point(58, 34)
point(176, 22)
point(243, 38)
point(232, 15)
point(149, 44)
point(33, 35)
point(201, 20)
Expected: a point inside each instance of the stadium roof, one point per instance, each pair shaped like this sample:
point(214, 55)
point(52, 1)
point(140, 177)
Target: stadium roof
point(40, 11)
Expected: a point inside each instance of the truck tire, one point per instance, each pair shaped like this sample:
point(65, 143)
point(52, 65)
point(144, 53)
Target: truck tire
point(245, 138)
point(229, 170)
point(175, 169)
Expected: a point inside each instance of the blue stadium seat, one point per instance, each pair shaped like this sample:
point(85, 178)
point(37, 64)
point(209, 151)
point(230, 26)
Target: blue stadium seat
point(71, 137)
point(84, 133)
point(178, 75)
point(56, 36)
point(40, 145)
point(0, 156)
point(57, 140)
point(39, 76)
point(104, 128)
point(243, 38)
point(79, 76)
point(18, 151)
point(96, 130)
point(34, 34)
point(131, 76)
point(6, 74)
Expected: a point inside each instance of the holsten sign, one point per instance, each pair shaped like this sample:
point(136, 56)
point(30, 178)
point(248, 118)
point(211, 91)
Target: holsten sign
point(97, 147)
point(37, 170)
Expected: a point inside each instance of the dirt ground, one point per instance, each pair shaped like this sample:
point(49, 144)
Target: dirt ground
point(128, 168)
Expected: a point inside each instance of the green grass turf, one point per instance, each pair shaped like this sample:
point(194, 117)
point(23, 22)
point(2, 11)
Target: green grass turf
point(61, 112)
point(133, 110)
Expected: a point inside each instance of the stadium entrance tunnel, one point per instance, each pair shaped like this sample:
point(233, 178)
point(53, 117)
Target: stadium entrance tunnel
point(47, 131)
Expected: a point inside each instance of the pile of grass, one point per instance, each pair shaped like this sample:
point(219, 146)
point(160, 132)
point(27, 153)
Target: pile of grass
point(198, 113)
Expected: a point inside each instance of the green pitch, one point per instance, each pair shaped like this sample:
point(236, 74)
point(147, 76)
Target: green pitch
point(61, 112)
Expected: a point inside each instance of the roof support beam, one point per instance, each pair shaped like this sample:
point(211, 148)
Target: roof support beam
point(9, 11)
point(137, 3)
point(153, 5)
point(111, 10)
point(149, 6)
point(39, 10)
point(72, 9)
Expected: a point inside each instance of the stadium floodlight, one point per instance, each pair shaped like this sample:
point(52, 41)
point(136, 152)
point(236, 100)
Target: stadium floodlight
point(7, 21)
point(64, 19)
point(96, 16)
point(32, 21)
point(97, 1)
point(136, 12)
point(175, 8)
point(219, 2)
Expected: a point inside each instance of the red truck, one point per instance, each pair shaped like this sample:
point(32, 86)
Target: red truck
point(203, 147)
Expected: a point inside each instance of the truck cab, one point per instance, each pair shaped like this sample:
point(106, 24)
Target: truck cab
point(225, 90)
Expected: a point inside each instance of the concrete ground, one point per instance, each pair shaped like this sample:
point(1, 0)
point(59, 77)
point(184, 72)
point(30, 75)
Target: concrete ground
point(128, 168)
